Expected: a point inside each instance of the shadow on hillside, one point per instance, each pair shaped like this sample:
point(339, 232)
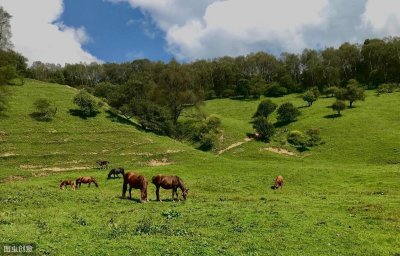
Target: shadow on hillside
point(81, 114)
point(39, 117)
point(119, 119)
point(332, 116)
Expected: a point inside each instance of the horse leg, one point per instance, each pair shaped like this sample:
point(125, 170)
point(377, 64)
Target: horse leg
point(158, 193)
point(130, 192)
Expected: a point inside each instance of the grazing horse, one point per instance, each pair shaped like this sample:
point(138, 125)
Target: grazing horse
point(116, 172)
point(169, 182)
point(87, 180)
point(136, 181)
point(103, 164)
point(65, 183)
point(278, 182)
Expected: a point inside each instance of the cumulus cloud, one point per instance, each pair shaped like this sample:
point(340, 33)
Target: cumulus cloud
point(40, 36)
point(210, 28)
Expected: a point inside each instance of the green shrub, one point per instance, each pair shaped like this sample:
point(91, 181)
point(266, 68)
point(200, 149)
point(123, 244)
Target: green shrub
point(339, 105)
point(297, 139)
point(265, 108)
point(86, 103)
point(386, 88)
point(287, 113)
point(44, 110)
point(264, 129)
point(275, 90)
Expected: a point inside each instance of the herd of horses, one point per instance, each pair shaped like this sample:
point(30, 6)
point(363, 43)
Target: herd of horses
point(138, 181)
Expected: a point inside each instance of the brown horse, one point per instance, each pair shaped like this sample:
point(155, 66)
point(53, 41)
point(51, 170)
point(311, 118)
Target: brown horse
point(278, 182)
point(87, 180)
point(65, 183)
point(136, 181)
point(169, 182)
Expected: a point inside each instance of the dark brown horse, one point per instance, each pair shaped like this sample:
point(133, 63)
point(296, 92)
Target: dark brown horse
point(116, 172)
point(103, 164)
point(169, 182)
point(65, 183)
point(136, 181)
point(87, 180)
point(278, 182)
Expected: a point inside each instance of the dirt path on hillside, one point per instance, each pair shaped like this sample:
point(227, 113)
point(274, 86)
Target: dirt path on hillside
point(234, 145)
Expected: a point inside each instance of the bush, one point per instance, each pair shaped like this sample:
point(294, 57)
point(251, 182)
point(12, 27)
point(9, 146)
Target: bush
point(287, 113)
point(309, 97)
point(386, 88)
point(330, 91)
point(86, 103)
point(264, 129)
point(228, 93)
point(275, 90)
point(265, 108)
point(297, 139)
point(44, 110)
point(339, 105)
point(303, 141)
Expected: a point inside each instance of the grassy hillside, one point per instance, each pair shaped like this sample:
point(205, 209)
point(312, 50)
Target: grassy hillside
point(365, 134)
point(341, 198)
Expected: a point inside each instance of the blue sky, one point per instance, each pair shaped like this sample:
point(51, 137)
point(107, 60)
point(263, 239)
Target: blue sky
point(73, 31)
point(117, 32)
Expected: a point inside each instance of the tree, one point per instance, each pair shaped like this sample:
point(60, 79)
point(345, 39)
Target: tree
point(176, 90)
point(309, 97)
point(86, 103)
point(44, 110)
point(287, 113)
point(5, 30)
point(275, 90)
point(339, 105)
point(265, 108)
point(354, 92)
point(264, 129)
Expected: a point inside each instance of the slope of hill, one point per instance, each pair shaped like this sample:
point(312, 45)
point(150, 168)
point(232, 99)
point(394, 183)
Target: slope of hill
point(341, 198)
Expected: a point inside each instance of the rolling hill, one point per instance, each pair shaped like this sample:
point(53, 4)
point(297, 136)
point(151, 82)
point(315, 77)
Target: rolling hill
point(340, 198)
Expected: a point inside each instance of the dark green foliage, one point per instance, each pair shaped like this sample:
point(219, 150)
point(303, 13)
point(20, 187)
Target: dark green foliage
point(330, 91)
point(354, 92)
point(204, 132)
point(243, 88)
point(339, 105)
point(86, 103)
point(297, 139)
point(44, 110)
point(264, 129)
point(304, 141)
point(287, 113)
point(275, 90)
point(265, 108)
point(386, 88)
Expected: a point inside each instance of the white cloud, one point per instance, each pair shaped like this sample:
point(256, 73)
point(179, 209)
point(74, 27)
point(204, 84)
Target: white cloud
point(38, 35)
point(210, 28)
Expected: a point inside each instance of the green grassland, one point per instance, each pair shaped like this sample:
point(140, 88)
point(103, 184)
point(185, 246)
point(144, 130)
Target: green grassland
point(340, 198)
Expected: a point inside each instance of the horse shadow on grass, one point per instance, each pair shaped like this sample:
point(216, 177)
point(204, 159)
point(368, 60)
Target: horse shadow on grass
point(81, 114)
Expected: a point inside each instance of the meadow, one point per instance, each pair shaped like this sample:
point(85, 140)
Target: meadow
point(340, 198)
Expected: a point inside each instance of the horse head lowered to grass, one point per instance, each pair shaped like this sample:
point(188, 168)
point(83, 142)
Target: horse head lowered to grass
point(169, 182)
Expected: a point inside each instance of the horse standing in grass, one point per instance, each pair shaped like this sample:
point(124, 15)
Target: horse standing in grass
point(136, 181)
point(65, 183)
point(278, 182)
point(103, 164)
point(87, 180)
point(169, 182)
point(116, 172)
